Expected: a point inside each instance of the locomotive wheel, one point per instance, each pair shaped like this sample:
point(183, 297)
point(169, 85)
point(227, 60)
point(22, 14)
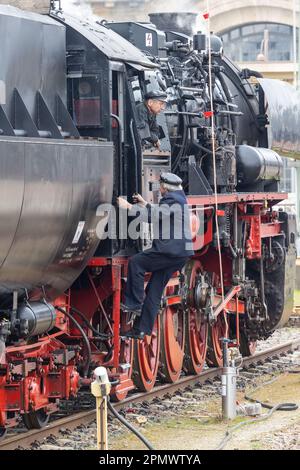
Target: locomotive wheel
point(3, 432)
point(146, 359)
point(196, 341)
point(196, 328)
point(214, 355)
point(247, 347)
point(172, 347)
point(36, 419)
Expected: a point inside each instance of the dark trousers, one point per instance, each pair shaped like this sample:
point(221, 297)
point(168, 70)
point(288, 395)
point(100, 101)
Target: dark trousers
point(162, 267)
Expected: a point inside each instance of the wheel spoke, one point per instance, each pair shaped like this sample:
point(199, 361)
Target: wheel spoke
point(214, 356)
point(172, 350)
point(196, 326)
point(146, 360)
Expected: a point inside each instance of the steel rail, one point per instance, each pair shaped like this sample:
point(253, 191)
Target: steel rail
point(25, 439)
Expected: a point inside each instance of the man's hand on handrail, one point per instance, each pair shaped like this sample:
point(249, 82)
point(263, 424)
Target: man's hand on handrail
point(137, 199)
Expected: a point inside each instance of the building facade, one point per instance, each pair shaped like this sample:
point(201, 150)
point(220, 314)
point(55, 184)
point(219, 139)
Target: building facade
point(259, 32)
point(38, 6)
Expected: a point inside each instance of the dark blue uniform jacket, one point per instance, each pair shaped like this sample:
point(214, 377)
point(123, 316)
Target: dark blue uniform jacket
point(170, 225)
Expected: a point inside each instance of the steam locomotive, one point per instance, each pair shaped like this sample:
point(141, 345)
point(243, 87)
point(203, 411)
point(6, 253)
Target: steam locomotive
point(69, 143)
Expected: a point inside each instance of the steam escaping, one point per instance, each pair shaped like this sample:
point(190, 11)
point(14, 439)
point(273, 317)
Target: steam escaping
point(81, 8)
point(167, 6)
point(184, 6)
point(183, 22)
point(122, 11)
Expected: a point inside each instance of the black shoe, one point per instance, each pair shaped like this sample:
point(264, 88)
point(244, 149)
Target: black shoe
point(125, 309)
point(132, 333)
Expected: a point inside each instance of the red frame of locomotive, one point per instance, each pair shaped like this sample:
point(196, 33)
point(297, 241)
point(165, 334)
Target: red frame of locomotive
point(29, 383)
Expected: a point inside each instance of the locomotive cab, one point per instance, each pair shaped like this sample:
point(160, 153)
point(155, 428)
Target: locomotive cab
point(93, 66)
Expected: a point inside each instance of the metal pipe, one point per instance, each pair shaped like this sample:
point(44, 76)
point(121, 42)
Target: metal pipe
point(187, 88)
point(120, 175)
point(229, 393)
point(121, 172)
point(135, 154)
point(235, 226)
point(129, 426)
point(232, 113)
point(97, 333)
point(262, 287)
point(87, 363)
point(185, 113)
point(228, 385)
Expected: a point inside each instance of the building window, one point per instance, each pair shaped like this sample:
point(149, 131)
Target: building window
point(85, 101)
point(245, 43)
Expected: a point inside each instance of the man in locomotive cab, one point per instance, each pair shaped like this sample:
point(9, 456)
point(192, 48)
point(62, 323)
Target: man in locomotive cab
point(171, 248)
point(154, 103)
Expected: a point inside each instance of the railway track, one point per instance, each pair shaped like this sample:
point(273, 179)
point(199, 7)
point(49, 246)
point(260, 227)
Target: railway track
point(25, 439)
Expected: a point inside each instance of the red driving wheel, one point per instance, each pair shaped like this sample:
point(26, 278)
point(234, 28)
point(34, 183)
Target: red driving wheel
point(196, 325)
point(214, 356)
point(146, 359)
point(173, 336)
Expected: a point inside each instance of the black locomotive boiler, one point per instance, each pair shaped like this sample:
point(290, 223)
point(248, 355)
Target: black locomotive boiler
point(69, 142)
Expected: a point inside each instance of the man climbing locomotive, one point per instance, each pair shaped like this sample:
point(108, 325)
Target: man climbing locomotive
point(169, 253)
point(62, 279)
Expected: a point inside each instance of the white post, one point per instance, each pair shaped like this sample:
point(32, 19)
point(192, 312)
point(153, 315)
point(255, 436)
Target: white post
point(100, 388)
point(228, 384)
